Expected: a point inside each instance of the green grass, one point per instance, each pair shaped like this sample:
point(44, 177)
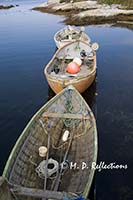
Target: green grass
point(126, 3)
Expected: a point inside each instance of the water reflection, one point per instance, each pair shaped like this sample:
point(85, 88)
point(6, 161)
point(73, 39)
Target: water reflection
point(125, 25)
point(26, 46)
point(90, 94)
point(51, 94)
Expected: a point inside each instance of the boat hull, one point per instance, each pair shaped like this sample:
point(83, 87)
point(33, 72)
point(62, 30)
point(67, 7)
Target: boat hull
point(80, 84)
point(22, 162)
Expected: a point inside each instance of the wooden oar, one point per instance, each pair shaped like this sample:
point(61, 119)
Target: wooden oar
point(46, 167)
point(47, 156)
point(56, 183)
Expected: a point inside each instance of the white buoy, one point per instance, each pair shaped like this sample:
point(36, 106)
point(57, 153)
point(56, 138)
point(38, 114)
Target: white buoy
point(65, 136)
point(82, 28)
point(43, 151)
point(77, 61)
point(95, 46)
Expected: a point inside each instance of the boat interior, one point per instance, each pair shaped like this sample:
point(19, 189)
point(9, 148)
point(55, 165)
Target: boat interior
point(47, 129)
point(73, 35)
point(57, 67)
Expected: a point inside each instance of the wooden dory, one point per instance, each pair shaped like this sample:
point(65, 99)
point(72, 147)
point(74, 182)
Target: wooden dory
point(70, 34)
point(25, 170)
point(55, 70)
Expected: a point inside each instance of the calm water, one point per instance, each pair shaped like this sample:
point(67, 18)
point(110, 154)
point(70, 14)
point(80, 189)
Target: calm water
point(26, 45)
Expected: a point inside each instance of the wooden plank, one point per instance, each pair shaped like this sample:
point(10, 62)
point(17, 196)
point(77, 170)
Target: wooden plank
point(65, 115)
point(37, 193)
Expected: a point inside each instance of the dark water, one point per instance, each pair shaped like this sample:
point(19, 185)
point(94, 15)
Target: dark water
point(26, 45)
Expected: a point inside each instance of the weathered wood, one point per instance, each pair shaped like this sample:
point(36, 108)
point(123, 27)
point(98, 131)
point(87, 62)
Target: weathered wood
point(5, 193)
point(21, 167)
point(65, 115)
point(37, 193)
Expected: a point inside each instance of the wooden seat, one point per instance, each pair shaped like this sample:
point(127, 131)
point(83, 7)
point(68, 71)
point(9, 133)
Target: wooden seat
point(65, 115)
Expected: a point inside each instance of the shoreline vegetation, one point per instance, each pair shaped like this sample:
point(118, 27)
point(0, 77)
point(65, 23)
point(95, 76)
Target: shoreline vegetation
point(79, 12)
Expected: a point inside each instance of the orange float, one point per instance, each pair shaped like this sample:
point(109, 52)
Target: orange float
point(73, 68)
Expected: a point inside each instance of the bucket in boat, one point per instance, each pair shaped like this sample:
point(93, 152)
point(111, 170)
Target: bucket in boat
point(42, 151)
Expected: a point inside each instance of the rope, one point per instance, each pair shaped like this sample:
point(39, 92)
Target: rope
point(32, 162)
point(67, 122)
point(64, 143)
point(76, 198)
point(69, 107)
point(75, 137)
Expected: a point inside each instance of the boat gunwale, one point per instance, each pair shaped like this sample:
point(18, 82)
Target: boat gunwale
point(39, 112)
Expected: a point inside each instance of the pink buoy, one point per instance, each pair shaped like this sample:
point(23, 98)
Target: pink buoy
point(73, 68)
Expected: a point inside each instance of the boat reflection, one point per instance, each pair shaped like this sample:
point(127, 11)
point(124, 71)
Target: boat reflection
point(90, 94)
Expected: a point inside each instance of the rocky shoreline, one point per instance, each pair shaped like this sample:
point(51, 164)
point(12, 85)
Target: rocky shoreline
point(87, 12)
point(6, 6)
